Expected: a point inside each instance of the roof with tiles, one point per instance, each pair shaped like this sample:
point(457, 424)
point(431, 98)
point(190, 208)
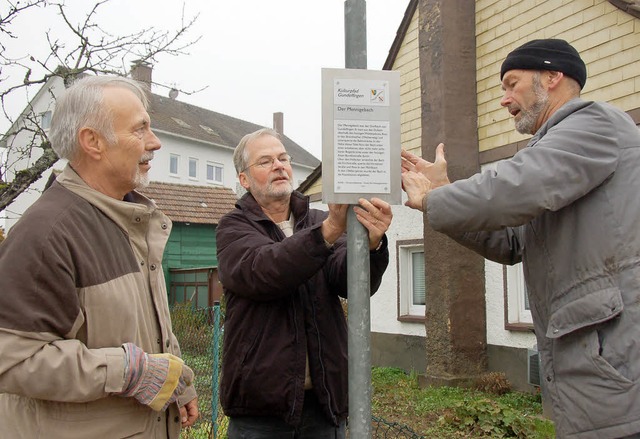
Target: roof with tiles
point(186, 120)
point(191, 204)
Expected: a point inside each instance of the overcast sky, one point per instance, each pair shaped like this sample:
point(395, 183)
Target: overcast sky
point(255, 57)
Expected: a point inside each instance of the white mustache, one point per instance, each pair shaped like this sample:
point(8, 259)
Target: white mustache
point(146, 158)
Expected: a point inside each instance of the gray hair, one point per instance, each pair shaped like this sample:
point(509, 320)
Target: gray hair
point(240, 158)
point(82, 105)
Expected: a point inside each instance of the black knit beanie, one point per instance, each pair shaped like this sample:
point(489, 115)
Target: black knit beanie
point(550, 54)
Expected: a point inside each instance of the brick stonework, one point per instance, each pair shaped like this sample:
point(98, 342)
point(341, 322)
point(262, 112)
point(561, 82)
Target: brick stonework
point(407, 64)
point(607, 38)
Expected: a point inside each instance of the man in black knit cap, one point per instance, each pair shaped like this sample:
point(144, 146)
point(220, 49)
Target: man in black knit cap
point(566, 206)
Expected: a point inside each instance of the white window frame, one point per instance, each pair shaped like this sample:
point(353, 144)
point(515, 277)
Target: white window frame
point(195, 161)
point(517, 316)
point(407, 310)
point(215, 166)
point(516, 290)
point(45, 120)
point(177, 159)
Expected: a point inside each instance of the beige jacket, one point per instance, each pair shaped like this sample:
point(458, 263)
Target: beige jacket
point(80, 274)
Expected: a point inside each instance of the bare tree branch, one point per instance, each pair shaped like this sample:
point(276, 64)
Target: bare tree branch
point(24, 178)
point(77, 48)
point(15, 8)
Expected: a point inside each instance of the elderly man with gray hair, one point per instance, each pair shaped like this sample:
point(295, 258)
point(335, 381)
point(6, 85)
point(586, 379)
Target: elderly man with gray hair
point(86, 345)
point(283, 266)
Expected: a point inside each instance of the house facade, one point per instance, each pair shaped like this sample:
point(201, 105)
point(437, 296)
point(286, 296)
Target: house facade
point(193, 177)
point(443, 311)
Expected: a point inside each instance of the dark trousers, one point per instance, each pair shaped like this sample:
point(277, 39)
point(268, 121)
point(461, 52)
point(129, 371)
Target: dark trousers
point(314, 425)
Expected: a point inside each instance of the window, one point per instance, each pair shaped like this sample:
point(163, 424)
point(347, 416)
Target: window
point(45, 120)
point(516, 300)
point(411, 281)
point(174, 160)
point(193, 167)
point(190, 286)
point(518, 310)
point(214, 172)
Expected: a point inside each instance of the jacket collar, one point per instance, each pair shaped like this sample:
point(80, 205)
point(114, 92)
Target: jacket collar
point(299, 204)
point(132, 209)
point(562, 113)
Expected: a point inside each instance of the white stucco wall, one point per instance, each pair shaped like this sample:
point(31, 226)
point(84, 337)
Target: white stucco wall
point(406, 224)
point(186, 148)
point(495, 304)
point(16, 161)
point(496, 332)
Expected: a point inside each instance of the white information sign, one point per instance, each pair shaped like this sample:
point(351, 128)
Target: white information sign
point(362, 154)
point(361, 135)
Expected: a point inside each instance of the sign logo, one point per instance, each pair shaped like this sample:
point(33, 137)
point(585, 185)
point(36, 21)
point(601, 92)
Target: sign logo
point(377, 95)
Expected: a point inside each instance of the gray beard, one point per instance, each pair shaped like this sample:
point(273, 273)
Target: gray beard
point(527, 122)
point(269, 193)
point(142, 180)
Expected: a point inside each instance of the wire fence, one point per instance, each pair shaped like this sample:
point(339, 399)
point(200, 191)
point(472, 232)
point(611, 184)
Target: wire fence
point(200, 333)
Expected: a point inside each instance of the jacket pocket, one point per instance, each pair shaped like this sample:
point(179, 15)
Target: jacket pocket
point(587, 337)
point(107, 417)
point(588, 310)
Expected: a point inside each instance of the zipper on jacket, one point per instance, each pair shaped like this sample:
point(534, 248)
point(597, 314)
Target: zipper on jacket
point(255, 337)
point(324, 381)
point(295, 381)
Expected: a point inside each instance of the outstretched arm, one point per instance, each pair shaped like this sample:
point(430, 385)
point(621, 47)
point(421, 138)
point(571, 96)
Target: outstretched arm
point(420, 176)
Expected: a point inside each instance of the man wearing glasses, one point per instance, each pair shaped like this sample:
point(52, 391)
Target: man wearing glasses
point(284, 268)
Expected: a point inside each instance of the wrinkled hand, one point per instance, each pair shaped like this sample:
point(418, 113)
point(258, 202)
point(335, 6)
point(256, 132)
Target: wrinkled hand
point(336, 223)
point(376, 216)
point(189, 413)
point(435, 172)
point(155, 380)
point(417, 186)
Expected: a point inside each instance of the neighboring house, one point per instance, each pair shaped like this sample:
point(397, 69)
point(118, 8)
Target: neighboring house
point(189, 261)
point(442, 311)
point(193, 167)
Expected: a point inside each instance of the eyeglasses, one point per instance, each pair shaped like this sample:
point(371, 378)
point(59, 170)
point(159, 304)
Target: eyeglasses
point(267, 162)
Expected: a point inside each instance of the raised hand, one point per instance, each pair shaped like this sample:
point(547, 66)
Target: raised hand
point(435, 172)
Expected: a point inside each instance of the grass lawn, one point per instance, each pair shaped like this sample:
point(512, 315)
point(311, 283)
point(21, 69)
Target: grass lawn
point(448, 412)
point(401, 409)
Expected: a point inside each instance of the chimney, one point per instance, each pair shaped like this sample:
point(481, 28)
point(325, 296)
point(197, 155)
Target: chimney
point(141, 71)
point(278, 122)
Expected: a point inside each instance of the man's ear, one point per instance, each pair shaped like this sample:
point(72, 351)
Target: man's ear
point(553, 78)
point(91, 144)
point(244, 180)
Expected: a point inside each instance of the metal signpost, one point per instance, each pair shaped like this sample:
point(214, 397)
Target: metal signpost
point(360, 129)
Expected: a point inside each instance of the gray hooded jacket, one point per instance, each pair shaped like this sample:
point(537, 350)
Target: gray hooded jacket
point(567, 206)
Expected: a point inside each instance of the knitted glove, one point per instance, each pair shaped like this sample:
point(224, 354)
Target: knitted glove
point(155, 380)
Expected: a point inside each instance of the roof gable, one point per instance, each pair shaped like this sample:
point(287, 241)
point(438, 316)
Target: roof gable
point(400, 34)
point(630, 6)
point(191, 204)
point(186, 120)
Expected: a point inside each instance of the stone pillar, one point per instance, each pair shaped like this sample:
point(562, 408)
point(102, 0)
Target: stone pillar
point(455, 293)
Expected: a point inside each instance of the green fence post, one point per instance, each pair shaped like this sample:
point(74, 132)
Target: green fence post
point(214, 375)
